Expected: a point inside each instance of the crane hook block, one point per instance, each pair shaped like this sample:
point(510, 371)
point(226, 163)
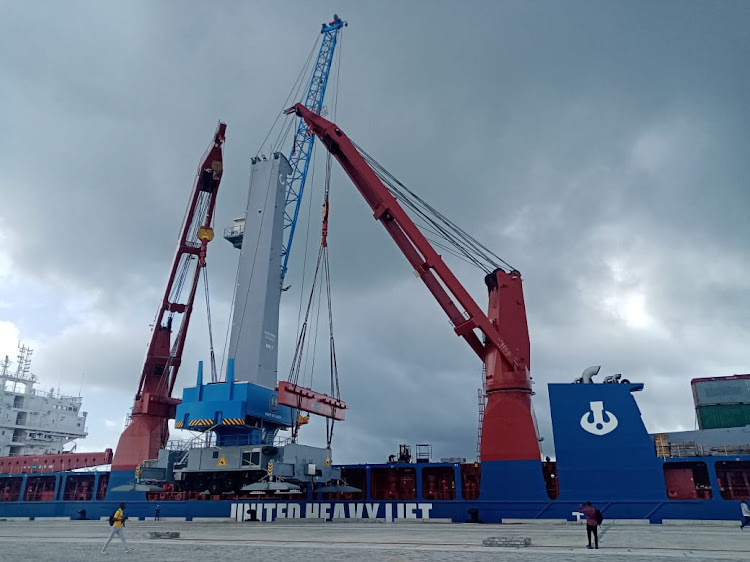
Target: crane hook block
point(206, 233)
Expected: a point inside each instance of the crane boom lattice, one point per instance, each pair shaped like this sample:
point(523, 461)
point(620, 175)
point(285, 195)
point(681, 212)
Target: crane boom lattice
point(301, 153)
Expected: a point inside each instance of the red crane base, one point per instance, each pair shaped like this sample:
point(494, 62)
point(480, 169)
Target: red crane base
point(147, 432)
point(508, 432)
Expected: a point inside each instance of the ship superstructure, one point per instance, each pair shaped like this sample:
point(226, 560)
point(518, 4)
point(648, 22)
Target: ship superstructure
point(34, 422)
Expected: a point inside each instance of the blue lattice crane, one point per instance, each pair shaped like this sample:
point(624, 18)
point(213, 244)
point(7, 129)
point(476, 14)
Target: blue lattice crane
point(303, 140)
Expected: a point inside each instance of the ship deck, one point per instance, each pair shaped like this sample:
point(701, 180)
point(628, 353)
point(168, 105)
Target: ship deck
point(199, 541)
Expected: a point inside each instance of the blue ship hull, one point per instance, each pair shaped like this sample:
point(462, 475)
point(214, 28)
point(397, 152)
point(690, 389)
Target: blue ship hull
point(603, 454)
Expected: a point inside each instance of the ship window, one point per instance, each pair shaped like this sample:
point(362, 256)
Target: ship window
point(471, 476)
point(393, 483)
point(216, 454)
point(355, 477)
point(687, 481)
point(438, 483)
point(733, 479)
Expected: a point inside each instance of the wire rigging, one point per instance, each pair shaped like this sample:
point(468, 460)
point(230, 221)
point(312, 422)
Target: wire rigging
point(214, 376)
point(321, 282)
point(464, 244)
point(293, 94)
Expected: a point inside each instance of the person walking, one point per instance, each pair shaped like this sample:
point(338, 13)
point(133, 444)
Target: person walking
point(745, 510)
point(591, 523)
point(157, 513)
point(118, 523)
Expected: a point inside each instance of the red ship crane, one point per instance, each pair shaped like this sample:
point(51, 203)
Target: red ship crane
point(508, 430)
point(154, 405)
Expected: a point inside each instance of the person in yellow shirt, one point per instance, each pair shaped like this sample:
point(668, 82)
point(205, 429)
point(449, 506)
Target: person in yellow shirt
point(118, 528)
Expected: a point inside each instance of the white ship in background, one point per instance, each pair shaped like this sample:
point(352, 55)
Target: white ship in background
point(34, 422)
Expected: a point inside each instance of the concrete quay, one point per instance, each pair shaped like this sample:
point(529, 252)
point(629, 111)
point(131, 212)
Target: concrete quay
point(74, 541)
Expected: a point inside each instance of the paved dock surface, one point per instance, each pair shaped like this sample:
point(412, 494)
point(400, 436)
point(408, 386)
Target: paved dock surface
point(74, 541)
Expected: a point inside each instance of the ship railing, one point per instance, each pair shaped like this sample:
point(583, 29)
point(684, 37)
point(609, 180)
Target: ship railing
point(236, 230)
point(181, 445)
point(692, 449)
point(238, 440)
point(25, 377)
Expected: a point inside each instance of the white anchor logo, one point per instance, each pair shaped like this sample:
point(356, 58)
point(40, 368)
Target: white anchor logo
point(597, 425)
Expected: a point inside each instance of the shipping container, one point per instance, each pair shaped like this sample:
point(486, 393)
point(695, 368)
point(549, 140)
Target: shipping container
point(721, 390)
point(724, 415)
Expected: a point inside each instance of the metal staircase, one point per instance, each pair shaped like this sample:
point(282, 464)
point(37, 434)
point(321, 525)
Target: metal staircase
point(482, 401)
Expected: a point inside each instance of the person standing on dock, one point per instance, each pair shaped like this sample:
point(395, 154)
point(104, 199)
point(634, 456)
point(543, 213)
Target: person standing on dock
point(591, 523)
point(117, 521)
point(157, 513)
point(745, 509)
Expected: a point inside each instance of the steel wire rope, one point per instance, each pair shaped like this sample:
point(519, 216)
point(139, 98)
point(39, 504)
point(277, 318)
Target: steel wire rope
point(214, 372)
point(316, 331)
point(469, 240)
point(435, 228)
point(183, 268)
point(450, 251)
point(183, 224)
point(231, 315)
point(338, 75)
point(214, 377)
point(303, 352)
point(311, 175)
point(312, 184)
point(322, 256)
point(283, 135)
point(393, 185)
point(335, 388)
point(391, 182)
point(440, 231)
point(473, 244)
point(290, 119)
point(201, 209)
point(428, 228)
point(302, 71)
point(307, 241)
point(302, 334)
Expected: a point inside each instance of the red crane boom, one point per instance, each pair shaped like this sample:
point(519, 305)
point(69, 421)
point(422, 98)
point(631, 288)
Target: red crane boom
point(508, 431)
point(154, 405)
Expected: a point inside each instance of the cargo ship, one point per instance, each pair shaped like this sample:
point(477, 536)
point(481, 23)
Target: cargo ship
point(240, 465)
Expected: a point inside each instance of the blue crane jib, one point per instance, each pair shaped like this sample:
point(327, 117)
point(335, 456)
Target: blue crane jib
point(299, 158)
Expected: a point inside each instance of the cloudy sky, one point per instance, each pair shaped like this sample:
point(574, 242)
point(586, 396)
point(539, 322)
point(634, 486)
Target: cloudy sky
point(601, 148)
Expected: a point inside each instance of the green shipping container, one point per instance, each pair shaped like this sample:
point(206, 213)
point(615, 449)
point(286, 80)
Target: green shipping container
point(723, 415)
